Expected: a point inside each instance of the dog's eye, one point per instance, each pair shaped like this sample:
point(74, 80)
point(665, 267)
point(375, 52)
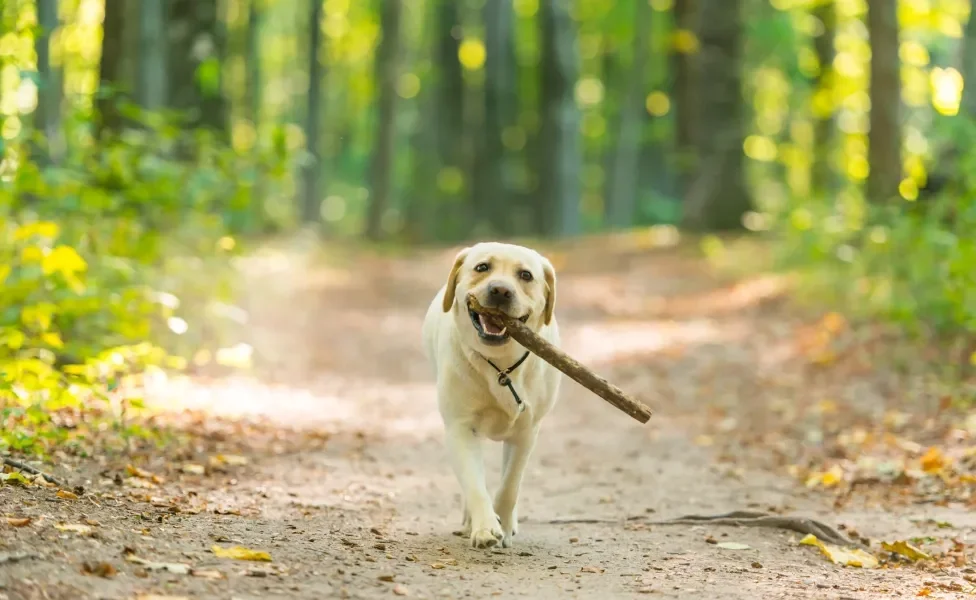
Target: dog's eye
point(525, 275)
point(481, 267)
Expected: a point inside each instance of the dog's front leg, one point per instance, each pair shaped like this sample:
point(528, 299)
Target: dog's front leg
point(465, 451)
point(515, 457)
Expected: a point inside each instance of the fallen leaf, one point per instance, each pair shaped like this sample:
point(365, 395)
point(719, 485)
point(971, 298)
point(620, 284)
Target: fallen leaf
point(933, 460)
point(207, 574)
point(399, 590)
point(842, 556)
point(74, 528)
point(18, 521)
point(175, 568)
point(100, 569)
point(387, 578)
point(66, 495)
point(193, 469)
point(15, 478)
point(437, 565)
point(757, 565)
point(240, 553)
point(925, 591)
point(232, 459)
point(905, 549)
point(142, 474)
point(733, 546)
point(591, 570)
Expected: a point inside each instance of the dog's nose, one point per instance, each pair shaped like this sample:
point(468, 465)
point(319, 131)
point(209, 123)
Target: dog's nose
point(499, 293)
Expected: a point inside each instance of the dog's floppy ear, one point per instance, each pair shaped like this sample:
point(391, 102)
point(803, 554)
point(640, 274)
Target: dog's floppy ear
point(452, 279)
point(550, 275)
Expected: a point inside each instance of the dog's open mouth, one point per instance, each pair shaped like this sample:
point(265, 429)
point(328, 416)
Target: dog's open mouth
point(489, 328)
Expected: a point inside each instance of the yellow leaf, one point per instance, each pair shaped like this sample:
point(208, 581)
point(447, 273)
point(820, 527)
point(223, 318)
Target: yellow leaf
point(925, 591)
point(31, 254)
point(240, 553)
point(53, 339)
point(851, 557)
point(905, 549)
point(63, 259)
point(45, 229)
point(18, 521)
point(74, 528)
point(4, 273)
point(933, 460)
point(65, 494)
point(38, 315)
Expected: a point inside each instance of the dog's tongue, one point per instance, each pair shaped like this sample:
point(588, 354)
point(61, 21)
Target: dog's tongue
point(490, 327)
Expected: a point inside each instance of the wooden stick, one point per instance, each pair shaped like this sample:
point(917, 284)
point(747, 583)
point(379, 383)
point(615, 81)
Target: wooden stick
point(565, 363)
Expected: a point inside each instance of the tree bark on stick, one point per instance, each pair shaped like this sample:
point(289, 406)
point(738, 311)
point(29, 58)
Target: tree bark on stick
point(567, 364)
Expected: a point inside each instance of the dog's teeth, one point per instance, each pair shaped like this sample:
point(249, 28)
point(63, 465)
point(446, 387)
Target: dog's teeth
point(502, 332)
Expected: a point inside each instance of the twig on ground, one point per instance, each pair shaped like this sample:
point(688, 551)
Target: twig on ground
point(741, 518)
point(29, 469)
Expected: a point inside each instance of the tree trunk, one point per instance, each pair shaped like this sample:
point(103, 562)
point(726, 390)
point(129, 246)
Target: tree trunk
point(449, 101)
point(561, 149)
point(111, 73)
point(718, 197)
point(311, 206)
point(823, 177)
point(884, 138)
point(47, 116)
point(151, 87)
point(683, 98)
point(968, 107)
point(621, 201)
point(493, 194)
point(254, 95)
point(387, 70)
point(196, 49)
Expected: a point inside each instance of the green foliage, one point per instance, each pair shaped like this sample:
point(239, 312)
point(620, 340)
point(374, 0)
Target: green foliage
point(913, 262)
point(111, 264)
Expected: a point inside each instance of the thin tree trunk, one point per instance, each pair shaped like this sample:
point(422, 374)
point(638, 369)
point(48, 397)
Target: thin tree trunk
point(111, 78)
point(824, 179)
point(47, 116)
point(561, 149)
point(311, 207)
point(718, 197)
point(493, 195)
point(381, 167)
point(683, 94)
point(449, 101)
point(884, 138)
point(152, 89)
point(968, 107)
point(622, 197)
point(253, 51)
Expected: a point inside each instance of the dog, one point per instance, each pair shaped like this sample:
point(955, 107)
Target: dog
point(489, 385)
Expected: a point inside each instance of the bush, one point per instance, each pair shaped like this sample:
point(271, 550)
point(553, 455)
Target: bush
point(108, 261)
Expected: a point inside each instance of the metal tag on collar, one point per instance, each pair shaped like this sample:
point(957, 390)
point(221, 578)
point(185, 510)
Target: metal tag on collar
point(503, 379)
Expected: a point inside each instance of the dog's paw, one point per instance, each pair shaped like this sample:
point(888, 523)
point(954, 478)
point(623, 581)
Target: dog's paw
point(487, 537)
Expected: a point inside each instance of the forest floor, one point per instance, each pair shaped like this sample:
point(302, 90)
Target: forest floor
point(329, 456)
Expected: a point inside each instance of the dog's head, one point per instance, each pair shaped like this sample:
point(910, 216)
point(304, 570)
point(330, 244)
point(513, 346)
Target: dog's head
point(515, 280)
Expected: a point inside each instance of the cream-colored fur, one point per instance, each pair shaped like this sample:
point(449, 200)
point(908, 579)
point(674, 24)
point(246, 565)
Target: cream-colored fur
point(473, 405)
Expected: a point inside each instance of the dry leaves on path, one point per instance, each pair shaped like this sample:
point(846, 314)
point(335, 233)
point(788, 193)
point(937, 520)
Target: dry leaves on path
point(850, 557)
point(240, 553)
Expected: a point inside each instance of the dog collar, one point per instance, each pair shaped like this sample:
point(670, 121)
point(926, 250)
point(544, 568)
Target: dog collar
point(505, 380)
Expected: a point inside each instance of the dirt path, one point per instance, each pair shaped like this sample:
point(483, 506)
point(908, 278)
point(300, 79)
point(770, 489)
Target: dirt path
point(354, 497)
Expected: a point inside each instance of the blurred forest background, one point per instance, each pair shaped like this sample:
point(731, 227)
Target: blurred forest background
point(148, 142)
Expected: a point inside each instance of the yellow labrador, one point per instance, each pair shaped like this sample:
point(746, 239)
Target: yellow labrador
point(488, 385)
